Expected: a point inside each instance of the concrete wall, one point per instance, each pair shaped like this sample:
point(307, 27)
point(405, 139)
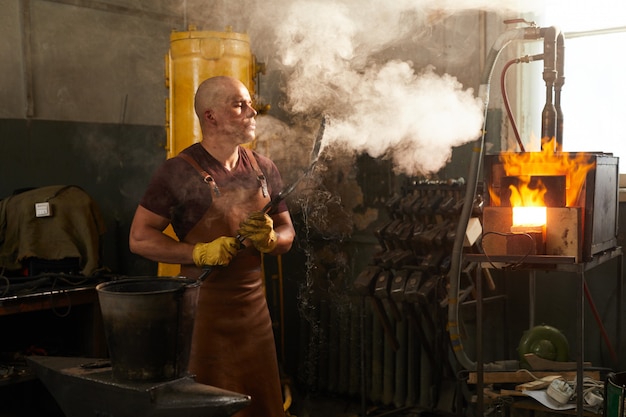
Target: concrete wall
point(93, 73)
point(93, 62)
point(84, 102)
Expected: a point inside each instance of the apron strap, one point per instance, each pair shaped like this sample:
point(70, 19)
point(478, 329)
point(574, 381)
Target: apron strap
point(206, 177)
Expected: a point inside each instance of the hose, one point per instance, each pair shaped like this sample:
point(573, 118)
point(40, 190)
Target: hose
point(505, 97)
point(507, 106)
point(470, 192)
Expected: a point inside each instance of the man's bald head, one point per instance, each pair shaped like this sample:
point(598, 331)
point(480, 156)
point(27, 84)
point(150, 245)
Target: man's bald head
point(214, 91)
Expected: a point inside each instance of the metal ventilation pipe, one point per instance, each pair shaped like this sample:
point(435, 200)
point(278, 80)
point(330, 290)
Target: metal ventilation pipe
point(558, 85)
point(550, 73)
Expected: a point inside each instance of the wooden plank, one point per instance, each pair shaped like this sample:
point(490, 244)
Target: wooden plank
point(519, 377)
point(539, 363)
point(538, 384)
point(511, 393)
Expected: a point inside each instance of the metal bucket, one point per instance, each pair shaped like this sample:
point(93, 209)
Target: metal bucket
point(615, 394)
point(148, 324)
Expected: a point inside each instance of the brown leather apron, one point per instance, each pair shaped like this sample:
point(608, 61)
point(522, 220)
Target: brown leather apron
point(233, 343)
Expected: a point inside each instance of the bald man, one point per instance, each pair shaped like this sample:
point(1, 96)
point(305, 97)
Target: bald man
point(210, 193)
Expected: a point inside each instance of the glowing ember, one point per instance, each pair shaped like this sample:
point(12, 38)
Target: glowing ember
point(529, 216)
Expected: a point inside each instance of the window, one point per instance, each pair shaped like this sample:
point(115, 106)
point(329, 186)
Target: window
point(593, 98)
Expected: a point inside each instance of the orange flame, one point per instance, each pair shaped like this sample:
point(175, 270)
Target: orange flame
point(574, 166)
point(525, 196)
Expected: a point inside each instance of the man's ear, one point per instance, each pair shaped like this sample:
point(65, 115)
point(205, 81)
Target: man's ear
point(209, 116)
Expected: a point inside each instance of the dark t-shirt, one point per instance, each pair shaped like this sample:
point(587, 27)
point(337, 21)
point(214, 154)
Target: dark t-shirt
point(177, 191)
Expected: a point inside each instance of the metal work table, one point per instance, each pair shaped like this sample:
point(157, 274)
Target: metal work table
point(48, 299)
point(60, 300)
point(545, 263)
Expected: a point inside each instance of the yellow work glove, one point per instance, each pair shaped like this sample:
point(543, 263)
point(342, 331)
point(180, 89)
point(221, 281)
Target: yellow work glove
point(218, 252)
point(259, 228)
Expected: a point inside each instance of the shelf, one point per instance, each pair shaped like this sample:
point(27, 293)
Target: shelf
point(517, 377)
point(543, 263)
point(46, 299)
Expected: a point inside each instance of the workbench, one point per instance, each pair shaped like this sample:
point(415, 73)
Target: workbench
point(64, 316)
point(62, 298)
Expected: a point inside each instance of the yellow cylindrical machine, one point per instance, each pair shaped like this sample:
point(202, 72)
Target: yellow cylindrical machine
point(193, 57)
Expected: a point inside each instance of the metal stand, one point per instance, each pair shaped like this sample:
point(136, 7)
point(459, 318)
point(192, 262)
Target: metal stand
point(546, 263)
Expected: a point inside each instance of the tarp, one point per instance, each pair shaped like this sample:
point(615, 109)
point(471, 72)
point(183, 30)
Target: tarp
point(73, 230)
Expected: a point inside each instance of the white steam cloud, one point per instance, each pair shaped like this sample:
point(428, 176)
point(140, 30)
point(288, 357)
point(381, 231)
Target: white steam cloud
point(412, 118)
point(412, 115)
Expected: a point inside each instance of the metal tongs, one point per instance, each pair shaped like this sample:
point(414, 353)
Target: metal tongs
point(273, 203)
point(315, 154)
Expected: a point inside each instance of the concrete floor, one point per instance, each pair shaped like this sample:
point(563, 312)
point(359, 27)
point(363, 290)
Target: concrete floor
point(325, 406)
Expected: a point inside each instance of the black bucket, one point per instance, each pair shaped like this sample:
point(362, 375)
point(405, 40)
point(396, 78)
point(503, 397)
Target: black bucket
point(148, 324)
point(615, 395)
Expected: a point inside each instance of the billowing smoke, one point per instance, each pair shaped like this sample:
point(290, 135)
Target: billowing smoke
point(413, 118)
point(387, 108)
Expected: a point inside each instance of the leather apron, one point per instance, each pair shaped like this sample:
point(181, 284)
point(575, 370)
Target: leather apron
point(233, 343)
